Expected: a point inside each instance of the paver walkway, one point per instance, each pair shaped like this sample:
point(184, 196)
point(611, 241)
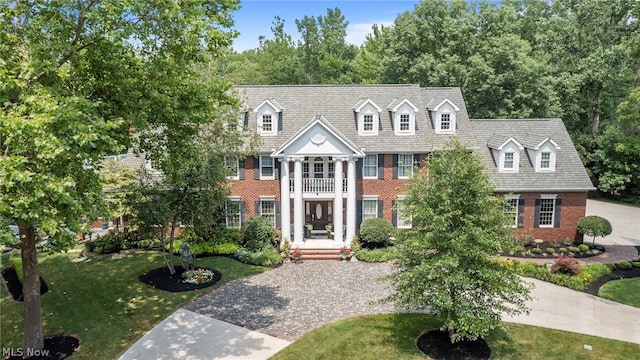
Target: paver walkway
point(291, 300)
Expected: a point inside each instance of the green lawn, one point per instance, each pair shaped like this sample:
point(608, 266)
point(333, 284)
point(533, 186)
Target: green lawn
point(102, 303)
point(392, 336)
point(624, 291)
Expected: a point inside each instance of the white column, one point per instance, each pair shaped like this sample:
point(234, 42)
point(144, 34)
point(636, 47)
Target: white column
point(285, 201)
point(298, 209)
point(351, 201)
point(337, 203)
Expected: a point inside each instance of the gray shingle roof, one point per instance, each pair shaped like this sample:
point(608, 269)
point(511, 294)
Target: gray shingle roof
point(336, 103)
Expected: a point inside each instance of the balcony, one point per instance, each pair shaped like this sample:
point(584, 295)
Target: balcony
point(318, 185)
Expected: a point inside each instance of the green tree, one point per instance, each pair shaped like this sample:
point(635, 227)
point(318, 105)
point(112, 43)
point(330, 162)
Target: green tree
point(75, 78)
point(118, 182)
point(450, 261)
point(594, 226)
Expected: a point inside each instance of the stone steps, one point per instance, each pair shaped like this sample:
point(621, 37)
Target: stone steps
point(320, 254)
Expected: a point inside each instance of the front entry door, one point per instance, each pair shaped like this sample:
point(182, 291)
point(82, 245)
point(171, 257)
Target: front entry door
point(318, 214)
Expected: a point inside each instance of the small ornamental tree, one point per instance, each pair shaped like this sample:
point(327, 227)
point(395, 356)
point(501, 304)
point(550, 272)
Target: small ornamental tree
point(450, 262)
point(594, 226)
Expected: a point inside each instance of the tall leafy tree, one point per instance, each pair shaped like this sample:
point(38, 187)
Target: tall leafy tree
point(75, 78)
point(450, 261)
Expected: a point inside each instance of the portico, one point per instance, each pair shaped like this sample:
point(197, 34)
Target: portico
point(318, 172)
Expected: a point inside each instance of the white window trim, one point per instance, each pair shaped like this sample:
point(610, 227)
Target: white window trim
point(370, 198)
point(412, 123)
point(553, 214)
point(237, 173)
point(399, 215)
point(398, 165)
point(239, 213)
point(517, 210)
point(364, 176)
point(273, 168)
point(269, 199)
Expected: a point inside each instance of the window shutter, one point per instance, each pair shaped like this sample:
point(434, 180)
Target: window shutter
point(380, 209)
point(380, 166)
point(256, 168)
point(277, 165)
point(359, 169)
point(245, 121)
point(256, 208)
point(520, 213)
point(358, 213)
point(395, 166)
point(280, 121)
point(243, 212)
point(556, 215)
point(416, 162)
point(536, 219)
point(241, 169)
point(278, 217)
point(394, 216)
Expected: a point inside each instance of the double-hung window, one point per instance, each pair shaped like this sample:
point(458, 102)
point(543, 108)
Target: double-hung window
point(511, 209)
point(405, 122)
point(547, 212)
point(445, 122)
point(231, 164)
point(232, 213)
point(267, 123)
point(404, 220)
point(266, 167)
point(508, 160)
point(545, 160)
point(405, 165)
point(268, 210)
point(369, 208)
point(367, 123)
point(370, 166)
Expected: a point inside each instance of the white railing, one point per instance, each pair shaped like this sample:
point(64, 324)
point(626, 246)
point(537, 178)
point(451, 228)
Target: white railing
point(318, 185)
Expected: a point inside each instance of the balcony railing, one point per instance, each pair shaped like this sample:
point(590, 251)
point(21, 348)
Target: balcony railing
point(318, 185)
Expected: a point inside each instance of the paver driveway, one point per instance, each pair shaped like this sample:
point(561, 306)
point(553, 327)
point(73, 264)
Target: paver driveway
point(291, 300)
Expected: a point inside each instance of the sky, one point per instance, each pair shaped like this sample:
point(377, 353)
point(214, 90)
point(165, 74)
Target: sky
point(256, 17)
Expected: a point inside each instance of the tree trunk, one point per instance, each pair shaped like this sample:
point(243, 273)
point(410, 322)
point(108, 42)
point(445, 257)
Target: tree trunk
point(595, 114)
point(172, 268)
point(33, 337)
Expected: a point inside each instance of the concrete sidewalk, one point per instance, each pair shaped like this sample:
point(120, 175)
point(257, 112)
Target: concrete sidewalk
point(188, 335)
point(560, 308)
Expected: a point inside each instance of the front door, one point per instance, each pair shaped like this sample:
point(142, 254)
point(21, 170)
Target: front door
point(318, 214)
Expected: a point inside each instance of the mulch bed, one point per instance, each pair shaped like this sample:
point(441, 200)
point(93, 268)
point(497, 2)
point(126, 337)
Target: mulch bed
point(56, 347)
point(437, 345)
point(545, 255)
point(616, 274)
point(14, 286)
point(161, 278)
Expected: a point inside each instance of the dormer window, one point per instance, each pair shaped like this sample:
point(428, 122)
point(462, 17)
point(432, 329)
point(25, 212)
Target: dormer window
point(267, 124)
point(444, 117)
point(508, 161)
point(542, 151)
point(506, 153)
point(403, 115)
point(367, 123)
point(268, 112)
point(368, 117)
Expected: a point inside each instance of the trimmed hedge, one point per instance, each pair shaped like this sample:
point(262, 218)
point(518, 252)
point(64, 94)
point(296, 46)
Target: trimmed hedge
point(266, 257)
point(377, 255)
point(376, 230)
point(258, 234)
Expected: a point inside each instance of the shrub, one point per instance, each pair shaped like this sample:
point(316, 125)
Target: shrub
point(554, 244)
point(575, 249)
point(583, 247)
point(567, 242)
point(562, 251)
point(565, 265)
point(377, 255)
point(550, 250)
point(624, 265)
point(258, 234)
point(636, 264)
point(376, 230)
point(112, 242)
point(536, 250)
point(266, 257)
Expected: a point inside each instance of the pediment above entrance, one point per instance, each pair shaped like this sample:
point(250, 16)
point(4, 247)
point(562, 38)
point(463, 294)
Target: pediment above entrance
point(318, 138)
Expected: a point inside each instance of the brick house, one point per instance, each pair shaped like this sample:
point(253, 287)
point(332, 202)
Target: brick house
point(338, 154)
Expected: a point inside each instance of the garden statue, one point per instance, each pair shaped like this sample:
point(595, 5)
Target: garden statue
point(187, 257)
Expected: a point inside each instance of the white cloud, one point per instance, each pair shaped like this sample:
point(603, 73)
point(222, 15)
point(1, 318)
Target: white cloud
point(357, 33)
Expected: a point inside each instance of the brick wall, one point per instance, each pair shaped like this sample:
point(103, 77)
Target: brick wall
point(572, 208)
point(250, 189)
point(386, 189)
